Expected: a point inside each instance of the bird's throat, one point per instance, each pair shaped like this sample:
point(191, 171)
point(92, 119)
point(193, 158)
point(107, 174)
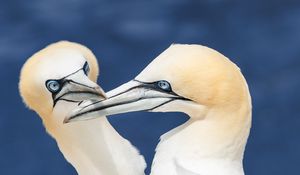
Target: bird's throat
point(94, 147)
point(209, 146)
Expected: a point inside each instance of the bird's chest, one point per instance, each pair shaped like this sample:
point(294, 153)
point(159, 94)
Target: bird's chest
point(168, 158)
point(187, 158)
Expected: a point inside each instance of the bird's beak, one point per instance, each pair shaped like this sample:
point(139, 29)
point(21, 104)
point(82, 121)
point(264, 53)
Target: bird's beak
point(129, 97)
point(76, 88)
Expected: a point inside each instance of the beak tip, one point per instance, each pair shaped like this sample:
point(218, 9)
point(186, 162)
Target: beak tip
point(101, 93)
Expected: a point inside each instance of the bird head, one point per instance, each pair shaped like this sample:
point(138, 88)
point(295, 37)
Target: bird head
point(192, 79)
point(54, 80)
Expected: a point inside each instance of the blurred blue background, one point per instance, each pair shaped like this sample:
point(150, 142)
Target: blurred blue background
point(262, 37)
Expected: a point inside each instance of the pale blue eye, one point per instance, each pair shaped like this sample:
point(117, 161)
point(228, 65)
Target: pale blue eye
point(164, 85)
point(86, 68)
point(53, 86)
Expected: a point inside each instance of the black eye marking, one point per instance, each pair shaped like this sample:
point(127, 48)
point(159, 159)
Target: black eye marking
point(86, 68)
point(164, 85)
point(53, 86)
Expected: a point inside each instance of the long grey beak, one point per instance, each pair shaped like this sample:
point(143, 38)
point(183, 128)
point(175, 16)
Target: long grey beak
point(129, 97)
point(76, 88)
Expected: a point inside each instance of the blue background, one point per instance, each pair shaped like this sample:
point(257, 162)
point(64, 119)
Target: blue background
point(262, 37)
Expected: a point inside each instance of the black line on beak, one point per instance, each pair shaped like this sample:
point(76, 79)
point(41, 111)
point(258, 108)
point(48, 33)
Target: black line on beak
point(162, 104)
point(146, 85)
point(72, 81)
point(127, 102)
point(71, 74)
point(74, 101)
point(63, 81)
point(55, 100)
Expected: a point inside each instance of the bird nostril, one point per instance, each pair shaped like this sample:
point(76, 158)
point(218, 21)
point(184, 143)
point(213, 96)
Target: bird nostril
point(88, 102)
point(80, 103)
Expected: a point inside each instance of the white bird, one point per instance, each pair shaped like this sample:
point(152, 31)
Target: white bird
point(52, 83)
point(202, 83)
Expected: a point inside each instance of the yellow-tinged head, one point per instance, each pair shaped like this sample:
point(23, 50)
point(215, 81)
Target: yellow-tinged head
point(200, 74)
point(193, 79)
point(54, 80)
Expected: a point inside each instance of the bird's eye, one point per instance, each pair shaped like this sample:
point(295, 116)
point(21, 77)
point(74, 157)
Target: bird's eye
point(86, 68)
point(53, 86)
point(164, 85)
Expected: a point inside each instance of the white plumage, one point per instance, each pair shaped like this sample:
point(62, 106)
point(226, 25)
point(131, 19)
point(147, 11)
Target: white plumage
point(52, 83)
point(208, 87)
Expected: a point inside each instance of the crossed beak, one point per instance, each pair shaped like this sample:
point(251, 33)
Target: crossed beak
point(132, 96)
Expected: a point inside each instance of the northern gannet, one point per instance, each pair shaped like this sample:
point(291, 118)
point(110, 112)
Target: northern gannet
point(52, 83)
point(202, 83)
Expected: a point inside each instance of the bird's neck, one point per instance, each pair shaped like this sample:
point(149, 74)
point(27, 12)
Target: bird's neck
point(94, 147)
point(211, 146)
